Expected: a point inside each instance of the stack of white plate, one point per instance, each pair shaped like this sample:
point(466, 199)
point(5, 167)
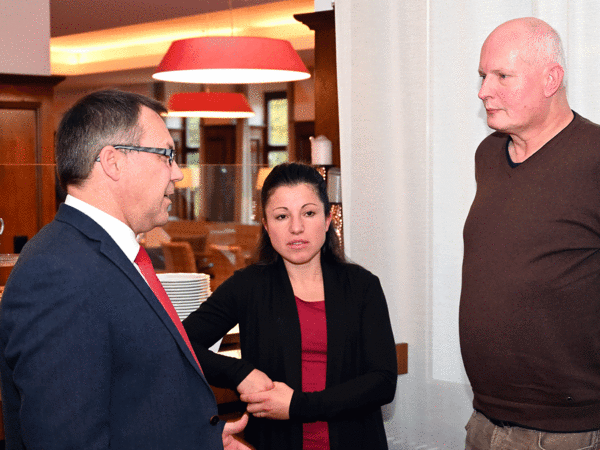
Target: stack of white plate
point(186, 290)
point(8, 259)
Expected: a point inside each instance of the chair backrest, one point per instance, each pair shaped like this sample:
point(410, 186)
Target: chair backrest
point(179, 257)
point(198, 242)
point(247, 237)
point(221, 236)
point(222, 268)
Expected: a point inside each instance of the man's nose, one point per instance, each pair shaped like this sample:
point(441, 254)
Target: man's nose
point(176, 173)
point(484, 90)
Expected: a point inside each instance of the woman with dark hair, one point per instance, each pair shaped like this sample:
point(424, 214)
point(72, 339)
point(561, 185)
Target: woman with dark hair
point(318, 354)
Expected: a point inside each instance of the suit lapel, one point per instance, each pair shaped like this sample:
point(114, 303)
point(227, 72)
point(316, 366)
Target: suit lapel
point(113, 252)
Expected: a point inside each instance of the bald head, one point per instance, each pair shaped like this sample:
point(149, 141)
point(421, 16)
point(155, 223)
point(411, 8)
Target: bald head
point(537, 42)
point(522, 83)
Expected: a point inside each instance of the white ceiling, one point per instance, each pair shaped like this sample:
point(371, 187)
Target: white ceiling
point(80, 16)
point(122, 41)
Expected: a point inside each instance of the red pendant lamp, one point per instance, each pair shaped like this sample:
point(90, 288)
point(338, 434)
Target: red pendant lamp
point(231, 60)
point(227, 105)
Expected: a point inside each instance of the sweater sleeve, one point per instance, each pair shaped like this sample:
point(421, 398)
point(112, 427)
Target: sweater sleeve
point(375, 385)
point(209, 323)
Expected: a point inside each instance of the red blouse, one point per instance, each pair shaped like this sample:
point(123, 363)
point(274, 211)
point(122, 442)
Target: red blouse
point(313, 327)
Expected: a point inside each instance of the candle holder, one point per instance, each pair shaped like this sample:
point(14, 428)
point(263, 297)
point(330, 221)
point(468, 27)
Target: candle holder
point(332, 175)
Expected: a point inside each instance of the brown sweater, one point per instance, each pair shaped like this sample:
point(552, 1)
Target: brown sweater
point(530, 301)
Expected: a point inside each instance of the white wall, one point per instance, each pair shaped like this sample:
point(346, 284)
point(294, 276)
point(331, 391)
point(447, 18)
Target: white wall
point(410, 122)
point(323, 5)
point(25, 37)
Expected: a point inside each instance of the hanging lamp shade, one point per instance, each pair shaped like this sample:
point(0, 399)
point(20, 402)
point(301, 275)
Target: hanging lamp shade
point(231, 60)
point(228, 105)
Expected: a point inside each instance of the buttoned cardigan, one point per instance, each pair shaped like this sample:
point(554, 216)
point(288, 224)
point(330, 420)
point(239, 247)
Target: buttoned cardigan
point(361, 358)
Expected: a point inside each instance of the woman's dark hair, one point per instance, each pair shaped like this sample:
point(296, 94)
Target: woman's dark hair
point(99, 119)
point(292, 174)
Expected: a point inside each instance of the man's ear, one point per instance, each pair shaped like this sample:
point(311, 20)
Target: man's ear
point(554, 78)
point(112, 161)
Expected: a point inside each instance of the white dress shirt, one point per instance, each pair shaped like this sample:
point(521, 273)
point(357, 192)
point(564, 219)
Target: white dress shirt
point(118, 231)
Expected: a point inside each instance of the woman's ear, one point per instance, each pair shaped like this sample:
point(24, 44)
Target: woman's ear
point(328, 221)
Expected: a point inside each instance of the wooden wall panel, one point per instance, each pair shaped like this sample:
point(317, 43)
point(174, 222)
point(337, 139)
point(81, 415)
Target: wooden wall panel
point(327, 121)
point(18, 175)
point(27, 176)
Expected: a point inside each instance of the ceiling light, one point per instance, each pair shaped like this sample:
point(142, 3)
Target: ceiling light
point(226, 105)
point(231, 60)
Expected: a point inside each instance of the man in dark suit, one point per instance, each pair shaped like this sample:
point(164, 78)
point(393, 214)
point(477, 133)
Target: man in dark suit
point(90, 358)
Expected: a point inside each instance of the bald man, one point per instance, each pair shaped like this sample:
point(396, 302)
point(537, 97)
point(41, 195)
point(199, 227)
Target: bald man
point(530, 301)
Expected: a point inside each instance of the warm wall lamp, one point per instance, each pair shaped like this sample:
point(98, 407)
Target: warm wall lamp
point(226, 105)
point(231, 60)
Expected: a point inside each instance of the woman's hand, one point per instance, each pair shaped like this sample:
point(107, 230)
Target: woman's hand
point(256, 381)
point(272, 404)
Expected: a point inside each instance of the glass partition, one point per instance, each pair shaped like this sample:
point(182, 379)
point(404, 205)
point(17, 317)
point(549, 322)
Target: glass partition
point(216, 208)
point(218, 193)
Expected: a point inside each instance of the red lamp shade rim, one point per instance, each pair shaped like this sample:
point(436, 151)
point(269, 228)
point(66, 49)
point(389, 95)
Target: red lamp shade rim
point(209, 104)
point(231, 60)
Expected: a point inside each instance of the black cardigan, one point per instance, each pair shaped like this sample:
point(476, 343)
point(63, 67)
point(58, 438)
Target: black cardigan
point(361, 357)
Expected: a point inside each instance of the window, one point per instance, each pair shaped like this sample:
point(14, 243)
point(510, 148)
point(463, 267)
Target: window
point(277, 127)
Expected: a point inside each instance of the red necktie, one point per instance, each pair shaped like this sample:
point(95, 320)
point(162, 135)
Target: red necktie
point(143, 261)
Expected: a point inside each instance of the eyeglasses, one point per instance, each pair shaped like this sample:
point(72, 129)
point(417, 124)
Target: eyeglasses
point(168, 152)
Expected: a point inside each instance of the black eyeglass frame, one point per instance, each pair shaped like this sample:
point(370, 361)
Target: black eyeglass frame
point(168, 152)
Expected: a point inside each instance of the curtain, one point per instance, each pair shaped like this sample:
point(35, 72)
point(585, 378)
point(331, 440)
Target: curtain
point(410, 122)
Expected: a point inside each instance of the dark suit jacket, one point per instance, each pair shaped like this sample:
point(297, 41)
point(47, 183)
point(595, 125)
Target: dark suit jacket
point(89, 358)
point(361, 357)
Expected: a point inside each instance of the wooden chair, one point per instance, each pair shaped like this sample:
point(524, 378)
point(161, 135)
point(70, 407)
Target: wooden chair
point(198, 244)
point(179, 257)
point(197, 241)
point(222, 267)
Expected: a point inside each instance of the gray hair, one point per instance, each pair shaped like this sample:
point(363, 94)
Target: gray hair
point(545, 45)
point(99, 119)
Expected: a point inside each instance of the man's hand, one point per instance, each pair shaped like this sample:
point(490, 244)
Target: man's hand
point(231, 442)
point(272, 404)
point(256, 381)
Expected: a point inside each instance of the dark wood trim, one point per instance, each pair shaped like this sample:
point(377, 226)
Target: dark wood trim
point(319, 20)
point(327, 121)
point(402, 358)
point(303, 131)
point(15, 79)
point(19, 105)
point(291, 97)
